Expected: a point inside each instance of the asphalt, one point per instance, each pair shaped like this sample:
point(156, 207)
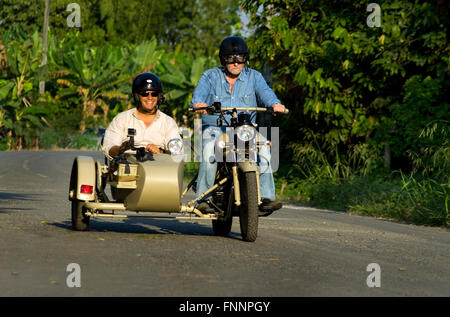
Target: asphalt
point(300, 251)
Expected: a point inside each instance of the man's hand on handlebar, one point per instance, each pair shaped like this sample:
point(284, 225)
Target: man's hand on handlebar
point(118, 149)
point(278, 108)
point(153, 148)
point(200, 105)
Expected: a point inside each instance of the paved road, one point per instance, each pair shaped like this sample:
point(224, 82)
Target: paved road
point(299, 251)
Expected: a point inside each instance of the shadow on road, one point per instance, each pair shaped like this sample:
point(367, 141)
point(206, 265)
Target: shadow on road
point(15, 196)
point(148, 226)
point(7, 197)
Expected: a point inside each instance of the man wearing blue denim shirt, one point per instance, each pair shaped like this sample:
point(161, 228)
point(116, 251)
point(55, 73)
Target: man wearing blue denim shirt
point(233, 85)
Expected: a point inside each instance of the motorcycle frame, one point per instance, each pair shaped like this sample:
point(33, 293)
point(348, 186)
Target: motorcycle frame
point(246, 166)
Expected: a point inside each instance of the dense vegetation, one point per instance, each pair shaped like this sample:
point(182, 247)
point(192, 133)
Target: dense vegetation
point(366, 99)
point(369, 125)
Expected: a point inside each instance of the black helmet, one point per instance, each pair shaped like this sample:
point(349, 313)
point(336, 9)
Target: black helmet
point(233, 45)
point(144, 82)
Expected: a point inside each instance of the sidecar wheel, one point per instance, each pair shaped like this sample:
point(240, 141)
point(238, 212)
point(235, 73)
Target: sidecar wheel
point(248, 213)
point(80, 222)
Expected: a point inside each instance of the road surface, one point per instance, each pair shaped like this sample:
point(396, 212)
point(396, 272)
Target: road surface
point(299, 251)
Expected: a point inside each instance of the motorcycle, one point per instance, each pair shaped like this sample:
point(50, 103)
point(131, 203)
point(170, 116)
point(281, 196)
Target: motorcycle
point(148, 183)
point(236, 190)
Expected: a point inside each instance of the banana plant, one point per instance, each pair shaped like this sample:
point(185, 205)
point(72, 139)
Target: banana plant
point(181, 76)
point(20, 116)
point(100, 73)
point(88, 73)
point(142, 58)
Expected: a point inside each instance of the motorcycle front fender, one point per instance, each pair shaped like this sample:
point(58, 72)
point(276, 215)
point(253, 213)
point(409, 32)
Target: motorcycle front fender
point(247, 167)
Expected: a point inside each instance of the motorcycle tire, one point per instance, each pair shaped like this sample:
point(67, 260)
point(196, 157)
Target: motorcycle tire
point(222, 226)
point(80, 222)
point(248, 213)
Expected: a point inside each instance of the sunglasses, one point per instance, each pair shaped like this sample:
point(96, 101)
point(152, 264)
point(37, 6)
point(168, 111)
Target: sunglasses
point(231, 59)
point(146, 93)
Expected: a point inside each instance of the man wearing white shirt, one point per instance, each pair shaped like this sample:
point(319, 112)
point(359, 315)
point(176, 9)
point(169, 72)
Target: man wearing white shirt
point(154, 129)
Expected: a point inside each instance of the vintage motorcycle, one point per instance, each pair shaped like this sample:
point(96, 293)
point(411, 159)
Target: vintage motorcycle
point(151, 184)
point(236, 191)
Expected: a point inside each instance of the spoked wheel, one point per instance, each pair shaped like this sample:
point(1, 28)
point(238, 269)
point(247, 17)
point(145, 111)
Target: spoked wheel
point(80, 222)
point(248, 211)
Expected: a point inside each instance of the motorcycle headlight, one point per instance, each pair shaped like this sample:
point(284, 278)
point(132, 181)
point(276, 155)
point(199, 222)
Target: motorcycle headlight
point(175, 146)
point(245, 132)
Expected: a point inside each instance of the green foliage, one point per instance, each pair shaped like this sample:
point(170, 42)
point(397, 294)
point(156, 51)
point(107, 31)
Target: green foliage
point(416, 120)
point(411, 199)
point(180, 74)
point(90, 69)
point(49, 139)
point(433, 158)
point(97, 74)
point(408, 198)
point(190, 170)
point(348, 83)
point(359, 97)
point(195, 25)
point(20, 115)
point(86, 141)
point(85, 86)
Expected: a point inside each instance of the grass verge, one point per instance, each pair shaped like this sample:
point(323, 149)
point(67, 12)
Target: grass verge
point(407, 198)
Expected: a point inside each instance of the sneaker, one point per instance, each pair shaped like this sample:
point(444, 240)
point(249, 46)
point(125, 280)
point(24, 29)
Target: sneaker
point(268, 206)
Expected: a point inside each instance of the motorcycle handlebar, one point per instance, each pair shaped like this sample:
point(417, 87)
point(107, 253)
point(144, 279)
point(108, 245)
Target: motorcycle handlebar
point(212, 109)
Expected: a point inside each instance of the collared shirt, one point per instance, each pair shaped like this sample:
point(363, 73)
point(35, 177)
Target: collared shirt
point(159, 132)
point(249, 90)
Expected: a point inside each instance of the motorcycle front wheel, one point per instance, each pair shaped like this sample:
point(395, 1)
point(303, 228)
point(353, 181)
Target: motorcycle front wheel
point(248, 213)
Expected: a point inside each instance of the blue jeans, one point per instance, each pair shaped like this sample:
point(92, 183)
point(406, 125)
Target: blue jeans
point(207, 170)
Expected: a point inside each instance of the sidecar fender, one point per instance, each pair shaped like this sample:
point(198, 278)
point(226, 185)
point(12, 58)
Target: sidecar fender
point(82, 179)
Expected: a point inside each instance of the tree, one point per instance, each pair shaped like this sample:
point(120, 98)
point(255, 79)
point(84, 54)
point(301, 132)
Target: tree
point(180, 74)
point(195, 25)
point(99, 73)
point(343, 77)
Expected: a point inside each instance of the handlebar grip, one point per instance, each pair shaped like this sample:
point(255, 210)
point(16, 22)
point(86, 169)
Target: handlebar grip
point(209, 108)
point(286, 111)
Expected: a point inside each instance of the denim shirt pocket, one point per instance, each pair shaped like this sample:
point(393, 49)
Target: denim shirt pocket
point(248, 100)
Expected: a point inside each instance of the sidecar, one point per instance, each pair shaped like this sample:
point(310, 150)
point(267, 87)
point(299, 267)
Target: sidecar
point(140, 182)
